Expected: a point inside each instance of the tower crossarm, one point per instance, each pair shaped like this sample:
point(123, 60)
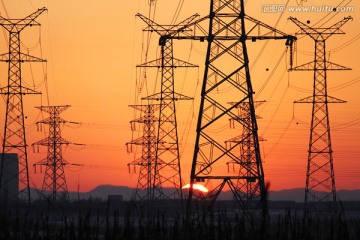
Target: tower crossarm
point(50, 141)
point(177, 63)
point(16, 91)
point(320, 99)
point(51, 120)
point(188, 29)
point(54, 112)
point(145, 119)
point(167, 96)
point(261, 31)
point(146, 108)
point(51, 109)
point(311, 66)
point(6, 57)
point(324, 33)
point(45, 162)
point(163, 30)
point(17, 25)
point(257, 31)
point(143, 140)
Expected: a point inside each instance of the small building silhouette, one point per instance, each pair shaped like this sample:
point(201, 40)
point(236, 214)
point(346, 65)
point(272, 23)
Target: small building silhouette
point(115, 198)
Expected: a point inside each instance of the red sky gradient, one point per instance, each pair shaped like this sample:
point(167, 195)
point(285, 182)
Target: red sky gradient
point(92, 48)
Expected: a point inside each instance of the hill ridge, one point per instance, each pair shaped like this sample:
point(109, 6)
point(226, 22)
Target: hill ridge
point(128, 193)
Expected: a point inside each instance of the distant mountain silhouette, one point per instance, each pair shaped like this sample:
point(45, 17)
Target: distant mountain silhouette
point(102, 192)
point(296, 194)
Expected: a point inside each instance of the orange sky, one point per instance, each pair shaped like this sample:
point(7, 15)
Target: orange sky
point(92, 48)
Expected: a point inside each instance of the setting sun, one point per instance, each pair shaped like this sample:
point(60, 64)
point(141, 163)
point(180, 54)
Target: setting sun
point(197, 186)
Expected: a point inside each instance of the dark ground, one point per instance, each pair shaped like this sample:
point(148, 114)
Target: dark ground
point(97, 219)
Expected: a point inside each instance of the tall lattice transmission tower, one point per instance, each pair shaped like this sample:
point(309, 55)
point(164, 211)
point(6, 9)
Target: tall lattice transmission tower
point(14, 131)
point(54, 178)
point(320, 179)
point(246, 183)
point(227, 79)
point(147, 160)
point(167, 169)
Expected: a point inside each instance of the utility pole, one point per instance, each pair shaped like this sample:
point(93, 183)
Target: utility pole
point(14, 131)
point(167, 170)
point(320, 178)
point(148, 142)
point(54, 178)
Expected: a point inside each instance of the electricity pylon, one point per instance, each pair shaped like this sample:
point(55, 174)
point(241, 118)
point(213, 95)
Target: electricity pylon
point(147, 160)
point(246, 183)
point(320, 179)
point(54, 178)
point(167, 161)
point(227, 79)
point(14, 131)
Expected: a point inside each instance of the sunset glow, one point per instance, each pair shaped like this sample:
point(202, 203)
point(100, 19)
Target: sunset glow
point(92, 49)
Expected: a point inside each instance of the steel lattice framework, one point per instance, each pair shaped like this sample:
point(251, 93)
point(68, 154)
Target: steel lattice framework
point(167, 166)
point(54, 178)
point(14, 130)
point(227, 79)
point(148, 142)
point(229, 30)
point(320, 179)
point(248, 188)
